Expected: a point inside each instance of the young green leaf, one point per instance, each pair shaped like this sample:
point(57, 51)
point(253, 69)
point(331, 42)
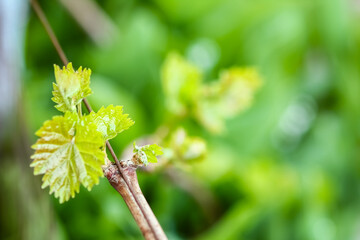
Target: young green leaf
point(181, 82)
point(110, 121)
point(69, 151)
point(146, 154)
point(71, 87)
point(236, 89)
point(229, 96)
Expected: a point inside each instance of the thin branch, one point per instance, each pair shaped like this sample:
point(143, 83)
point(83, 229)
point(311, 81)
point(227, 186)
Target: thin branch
point(87, 105)
point(49, 30)
point(152, 221)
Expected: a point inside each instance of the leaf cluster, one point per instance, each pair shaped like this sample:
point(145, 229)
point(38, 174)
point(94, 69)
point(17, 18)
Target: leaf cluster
point(71, 148)
point(209, 104)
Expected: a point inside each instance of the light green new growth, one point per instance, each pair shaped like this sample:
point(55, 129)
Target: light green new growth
point(227, 97)
point(181, 81)
point(110, 121)
point(71, 87)
point(210, 104)
point(71, 148)
point(70, 151)
point(146, 154)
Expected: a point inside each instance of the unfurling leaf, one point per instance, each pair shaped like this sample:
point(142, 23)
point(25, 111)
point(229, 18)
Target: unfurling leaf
point(70, 152)
point(229, 96)
point(210, 104)
point(146, 154)
point(110, 121)
point(236, 89)
point(71, 87)
point(181, 82)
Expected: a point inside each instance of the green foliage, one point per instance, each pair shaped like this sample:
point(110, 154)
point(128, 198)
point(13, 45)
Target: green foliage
point(304, 122)
point(70, 151)
point(146, 154)
point(181, 82)
point(71, 87)
point(110, 121)
point(71, 148)
point(210, 104)
point(227, 97)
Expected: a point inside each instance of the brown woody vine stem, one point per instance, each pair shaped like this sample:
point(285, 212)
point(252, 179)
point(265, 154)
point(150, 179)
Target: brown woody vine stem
point(126, 181)
point(112, 173)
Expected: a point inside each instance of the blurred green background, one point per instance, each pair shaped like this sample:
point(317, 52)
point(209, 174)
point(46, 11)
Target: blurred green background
point(286, 168)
